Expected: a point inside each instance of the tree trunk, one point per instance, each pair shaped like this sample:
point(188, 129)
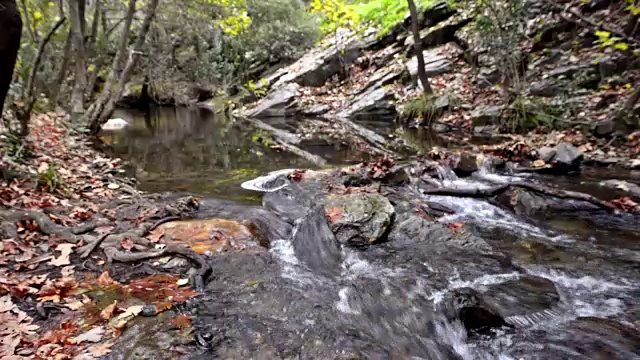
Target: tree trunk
point(415, 29)
point(63, 67)
point(77, 95)
point(97, 107)
point(10, 33)
point(27, 22)
point(29, 99)
point(134, 56)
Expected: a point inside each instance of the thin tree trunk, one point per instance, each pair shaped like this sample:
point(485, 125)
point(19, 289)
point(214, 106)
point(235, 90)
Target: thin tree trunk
point(27, 22)
point(415, 29)
point(95, 110)
point(134, 56)
point(97, 13)
point(9, 45)
point(29, 98)
point(77, 95)
point(63, 67)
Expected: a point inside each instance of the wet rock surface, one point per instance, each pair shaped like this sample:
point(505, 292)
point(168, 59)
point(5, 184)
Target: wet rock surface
point(359, 219)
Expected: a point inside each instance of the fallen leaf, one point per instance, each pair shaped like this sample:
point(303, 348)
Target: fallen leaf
point(130, 312)
point(182, 282)
point(107, 312)
point(65, 251)
point(182, 321)
point(334, 214)
point(94, 335)
point(127, 244)
point(155, 236)
point(113, 186)
point(105, 279)
point(100, 350)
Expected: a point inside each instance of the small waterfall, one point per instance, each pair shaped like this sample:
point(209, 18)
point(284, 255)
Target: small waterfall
point(445, 173)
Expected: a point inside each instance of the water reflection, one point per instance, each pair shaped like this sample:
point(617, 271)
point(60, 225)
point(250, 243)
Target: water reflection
point(194, 150)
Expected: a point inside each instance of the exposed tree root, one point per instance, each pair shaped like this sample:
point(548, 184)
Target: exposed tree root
point(113, 254)
point(47, 226)
point(540, 189)
point(137, 236)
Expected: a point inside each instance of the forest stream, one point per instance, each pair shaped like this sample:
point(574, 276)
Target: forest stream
point(450, 277)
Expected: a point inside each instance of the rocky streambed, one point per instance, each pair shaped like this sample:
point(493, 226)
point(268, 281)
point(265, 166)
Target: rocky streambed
point(386, 261)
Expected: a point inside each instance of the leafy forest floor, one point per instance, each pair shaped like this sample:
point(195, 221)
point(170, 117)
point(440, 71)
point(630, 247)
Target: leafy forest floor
point(58, 300)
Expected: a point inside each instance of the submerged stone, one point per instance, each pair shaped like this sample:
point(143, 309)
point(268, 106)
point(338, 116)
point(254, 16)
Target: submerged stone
point(211, 235)
point(359, 219)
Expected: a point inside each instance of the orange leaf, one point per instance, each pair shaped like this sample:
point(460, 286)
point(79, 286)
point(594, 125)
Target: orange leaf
point(105, 280)
point(334, 214)
point(107, 312)
point(182, 321)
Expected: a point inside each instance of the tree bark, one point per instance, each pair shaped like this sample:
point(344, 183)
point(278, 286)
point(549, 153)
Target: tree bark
point(623, 115)
point(415, 29)
point(29, 98)
point(63, 67)
point(77, 95)
point(134, 56)
point(27, 22)
point(95, 110)
point(10, 33)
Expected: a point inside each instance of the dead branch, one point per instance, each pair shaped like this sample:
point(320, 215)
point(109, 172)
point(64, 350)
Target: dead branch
point(540, 189)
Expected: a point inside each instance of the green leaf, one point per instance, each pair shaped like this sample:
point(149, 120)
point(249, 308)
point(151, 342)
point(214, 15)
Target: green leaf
point(603, 34)
point(621, 46)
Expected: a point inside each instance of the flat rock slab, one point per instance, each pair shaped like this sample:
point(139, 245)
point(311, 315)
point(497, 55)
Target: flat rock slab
point(434, 64)
point(277, 103)
point(211, 235)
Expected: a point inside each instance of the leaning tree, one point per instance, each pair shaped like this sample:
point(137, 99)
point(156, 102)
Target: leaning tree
point(10, 32)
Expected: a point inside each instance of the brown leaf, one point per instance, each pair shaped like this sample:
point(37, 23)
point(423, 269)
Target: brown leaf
point(182, 321)
point(107, 312)
point(105, 279)
point(65, 251)
point(155, 236)
point(127, 244)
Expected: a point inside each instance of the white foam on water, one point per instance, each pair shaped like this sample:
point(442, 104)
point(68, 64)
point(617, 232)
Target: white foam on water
point(589, 296)
point(343, 303)
point(478, 283)
point(284, 252)
point(490, 216)
point(455, 335)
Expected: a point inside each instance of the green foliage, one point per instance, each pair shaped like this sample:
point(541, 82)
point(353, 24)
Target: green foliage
point(256, 90)
point(262, 137)
point(529, 112)
point(605, 40)
point(335, 14)
point(49, 180)
point(387, 13)
point(15, 147)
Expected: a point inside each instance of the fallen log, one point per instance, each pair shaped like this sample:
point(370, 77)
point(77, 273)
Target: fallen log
point(540, 189)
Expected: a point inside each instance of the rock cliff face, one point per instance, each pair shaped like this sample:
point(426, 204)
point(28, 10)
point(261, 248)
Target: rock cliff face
point(387, 61)
point(363, 86)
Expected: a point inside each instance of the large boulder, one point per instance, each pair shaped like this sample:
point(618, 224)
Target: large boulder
point(278, 103)
point(359, 219)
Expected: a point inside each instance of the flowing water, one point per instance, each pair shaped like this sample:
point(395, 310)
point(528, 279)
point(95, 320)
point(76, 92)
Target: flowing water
point(572, 290)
